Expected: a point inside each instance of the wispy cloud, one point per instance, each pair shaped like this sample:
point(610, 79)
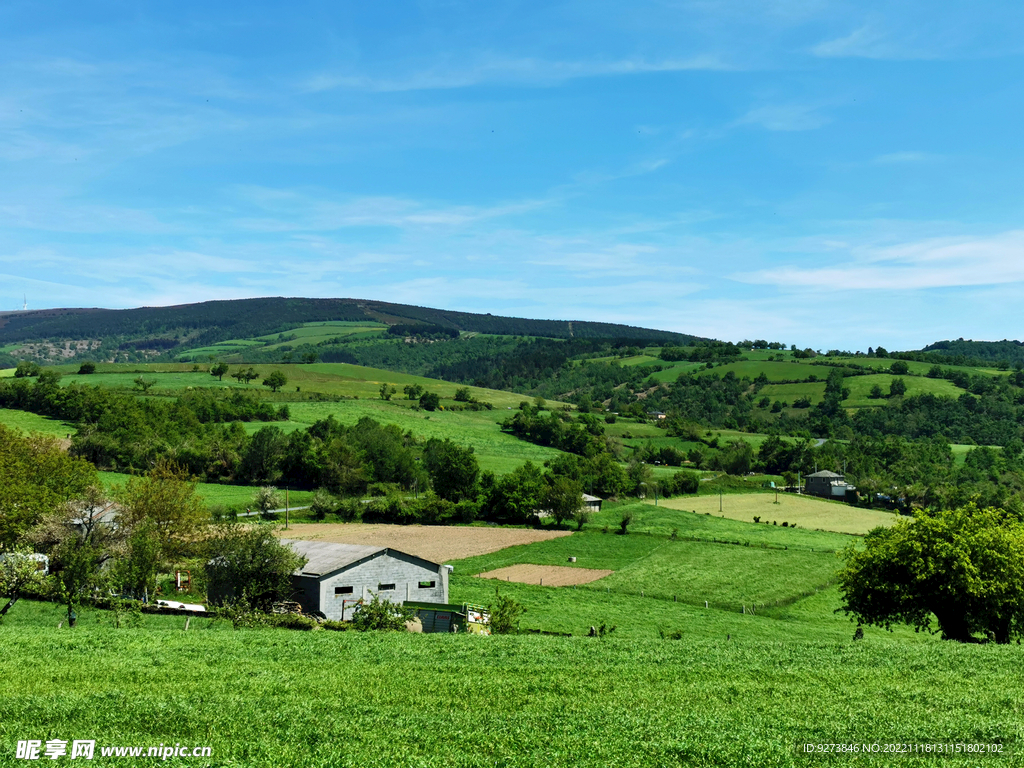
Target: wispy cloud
point(785, 117)
point(900, 158)
point(948, 262)
point(520, 71)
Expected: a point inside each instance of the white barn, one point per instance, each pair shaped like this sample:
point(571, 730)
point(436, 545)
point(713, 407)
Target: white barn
point(337, 576)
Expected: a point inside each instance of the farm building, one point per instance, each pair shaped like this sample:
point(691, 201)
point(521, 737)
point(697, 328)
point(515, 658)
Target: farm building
point(337, 576)
point(830, 485)
point(591, 503)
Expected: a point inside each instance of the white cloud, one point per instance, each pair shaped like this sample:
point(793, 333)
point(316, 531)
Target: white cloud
point(931, 263)
point(521, 71)
point(899, 158)
point(785, 117)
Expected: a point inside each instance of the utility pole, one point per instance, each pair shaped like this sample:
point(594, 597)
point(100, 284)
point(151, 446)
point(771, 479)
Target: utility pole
point(286, 507)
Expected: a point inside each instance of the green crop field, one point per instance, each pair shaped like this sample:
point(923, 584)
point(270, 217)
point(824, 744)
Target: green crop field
point(30, 422)
point(270, 698)
point(308, 333)
point(787, 393)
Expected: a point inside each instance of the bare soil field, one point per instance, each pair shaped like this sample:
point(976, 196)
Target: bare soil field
point(546, 575)
point(432, 542)
point(807, 512)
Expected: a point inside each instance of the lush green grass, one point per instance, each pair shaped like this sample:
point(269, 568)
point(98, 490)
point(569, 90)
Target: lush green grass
point(788, 393)
point(217, 494)
point(495, 450)
point(7, 373)
point(662, 520)
point(326, 378)
point(31, 422)
point(860, 388)
point(275, 698)
point(658, 567)
point(882, 365)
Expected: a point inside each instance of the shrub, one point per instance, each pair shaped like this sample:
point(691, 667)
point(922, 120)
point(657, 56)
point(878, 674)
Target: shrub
point(86, 368)
point(505, 614)
point(624, 522)
point(381, 615)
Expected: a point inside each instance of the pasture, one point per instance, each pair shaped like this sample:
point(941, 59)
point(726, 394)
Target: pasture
point(860, 388)
point(329, 699)
point(804, 511)
point(31, 422)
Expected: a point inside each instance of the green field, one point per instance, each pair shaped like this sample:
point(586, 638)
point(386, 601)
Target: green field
point(656, 567)
point(860, 387)
point(323, 699)
point(31, 422)
point(218, 494)
point(308, 333)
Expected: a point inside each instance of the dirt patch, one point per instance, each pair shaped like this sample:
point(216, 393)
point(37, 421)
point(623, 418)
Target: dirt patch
point(546, 575)
point(432, 542)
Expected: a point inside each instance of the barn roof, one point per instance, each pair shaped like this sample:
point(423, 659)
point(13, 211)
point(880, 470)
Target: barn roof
point(324, 557)
point(588, 497)
point(824, 473)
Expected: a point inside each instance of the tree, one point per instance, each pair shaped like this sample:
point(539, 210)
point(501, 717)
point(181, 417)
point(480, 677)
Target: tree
point(897, 388)
point(245, 375)
point(86, 368)
point(266, 499)
point(19, 570)
point(219, 370)
point(430, 401)
point(563, 499)
point(135, 572)
point(581, 517)
point(964, 566)
point(262, 457)
point(899, 368)
point(412, 391)
point(386, 391)
point(26, 368)
point(505, 613)
point(462, 395)
point(144, 384)
point(248, 564)
point(275, 380)
point(39, 478)
point(453, 469)
point(166, 497)
point(876, 392)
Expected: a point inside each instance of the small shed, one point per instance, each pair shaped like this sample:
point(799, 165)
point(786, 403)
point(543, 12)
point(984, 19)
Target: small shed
point(591, 503)
point(336, 577)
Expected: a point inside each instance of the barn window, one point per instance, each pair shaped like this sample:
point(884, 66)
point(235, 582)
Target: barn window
point(427, 584)
point(342, 591)
point(385, 587)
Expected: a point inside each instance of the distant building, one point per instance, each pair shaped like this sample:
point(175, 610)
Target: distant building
point(656, 414)
point(829, 485)
point(104, 514)
point(591, 503)
point(337, 576)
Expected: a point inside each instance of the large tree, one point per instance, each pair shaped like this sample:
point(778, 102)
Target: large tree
point(453, 469)
point(167, 498)
point(964, 567)
point(38, 478)
point(248, 563)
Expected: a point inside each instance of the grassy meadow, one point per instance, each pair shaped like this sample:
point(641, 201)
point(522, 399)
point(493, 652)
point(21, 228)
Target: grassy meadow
point(326, 699)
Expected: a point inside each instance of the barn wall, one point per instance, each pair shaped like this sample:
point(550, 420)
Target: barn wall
point(393, 568)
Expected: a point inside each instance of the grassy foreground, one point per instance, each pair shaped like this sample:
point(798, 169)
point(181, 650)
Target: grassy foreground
point(281, 698)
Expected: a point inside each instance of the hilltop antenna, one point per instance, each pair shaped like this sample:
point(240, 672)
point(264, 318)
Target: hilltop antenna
point(24, 306)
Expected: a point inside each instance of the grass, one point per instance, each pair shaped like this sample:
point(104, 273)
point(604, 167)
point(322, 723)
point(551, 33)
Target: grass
point(236, 497)
point(31, 422)
point(495, 450)
point(860, 388)
point(662, 568)
point(348, 699)
point(803, 511)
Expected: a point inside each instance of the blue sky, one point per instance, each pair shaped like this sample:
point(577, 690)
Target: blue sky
point(830, 174)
